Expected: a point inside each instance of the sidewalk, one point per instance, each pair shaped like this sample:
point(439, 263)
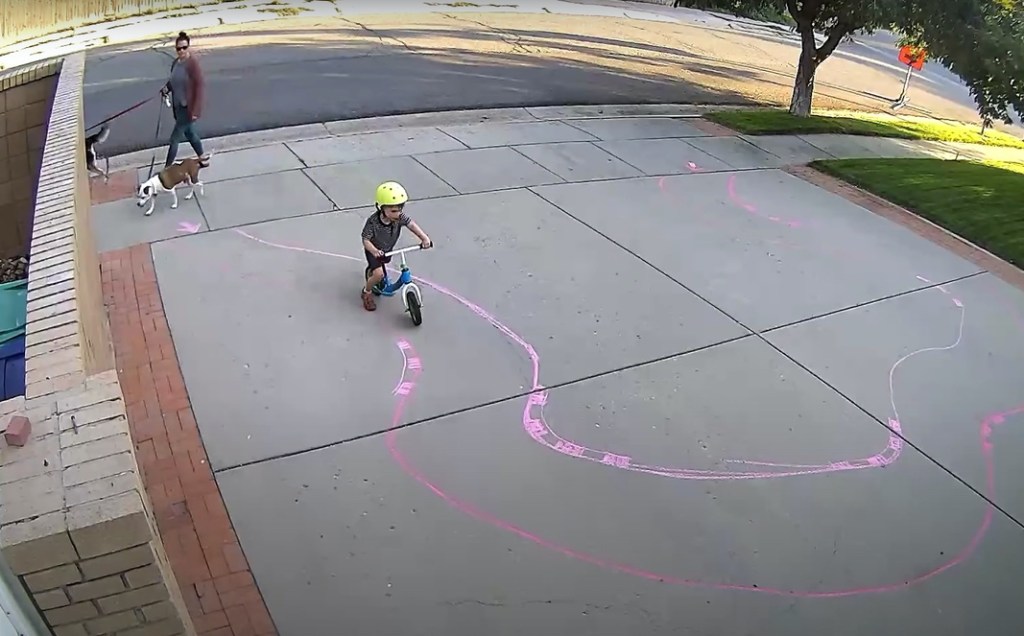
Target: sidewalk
point(725, 149)
point(255, 174)
point(240, 308)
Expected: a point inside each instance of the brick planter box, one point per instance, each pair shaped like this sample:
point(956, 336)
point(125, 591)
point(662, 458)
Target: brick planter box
point(76, 525)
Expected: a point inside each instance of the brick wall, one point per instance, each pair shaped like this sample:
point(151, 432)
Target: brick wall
point(76, 524)
point(24, 109)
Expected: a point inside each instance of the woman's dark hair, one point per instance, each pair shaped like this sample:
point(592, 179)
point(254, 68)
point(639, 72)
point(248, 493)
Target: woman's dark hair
point(183, 36)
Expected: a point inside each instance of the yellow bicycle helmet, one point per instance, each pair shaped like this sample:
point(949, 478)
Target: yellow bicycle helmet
point(391, 193)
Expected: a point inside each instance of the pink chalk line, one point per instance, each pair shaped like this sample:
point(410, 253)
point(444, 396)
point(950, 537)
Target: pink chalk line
point(469, 509)
point(715, 222)
point(539, 397)
point(535, 425)
point(749, 207)
point(402, 387)
point(895, 443)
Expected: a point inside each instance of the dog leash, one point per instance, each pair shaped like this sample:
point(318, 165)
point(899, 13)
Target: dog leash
point(123, 112)
point(159, 119)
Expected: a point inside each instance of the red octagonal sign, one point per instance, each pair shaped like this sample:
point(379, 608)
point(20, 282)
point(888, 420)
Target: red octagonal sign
point(913, 57)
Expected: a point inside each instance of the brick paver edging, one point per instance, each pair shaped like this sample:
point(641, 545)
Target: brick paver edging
point(203, 550)
point(923, 227)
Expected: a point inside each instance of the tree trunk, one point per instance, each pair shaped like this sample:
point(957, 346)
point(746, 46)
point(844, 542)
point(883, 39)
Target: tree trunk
point(803, 88)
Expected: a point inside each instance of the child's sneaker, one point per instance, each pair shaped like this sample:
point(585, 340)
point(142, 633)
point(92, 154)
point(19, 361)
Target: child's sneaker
point(368, 303)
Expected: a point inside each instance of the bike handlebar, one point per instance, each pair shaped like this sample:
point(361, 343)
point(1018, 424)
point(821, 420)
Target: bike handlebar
point(411, 248)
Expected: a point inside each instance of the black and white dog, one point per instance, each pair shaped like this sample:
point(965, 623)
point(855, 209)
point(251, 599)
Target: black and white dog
point(90, 151)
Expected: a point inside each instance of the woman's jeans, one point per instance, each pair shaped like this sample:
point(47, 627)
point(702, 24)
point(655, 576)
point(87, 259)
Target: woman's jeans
point(183, 129)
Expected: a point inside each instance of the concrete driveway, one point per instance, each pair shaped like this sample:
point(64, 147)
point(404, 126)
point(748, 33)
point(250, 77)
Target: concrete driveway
point(708, 398)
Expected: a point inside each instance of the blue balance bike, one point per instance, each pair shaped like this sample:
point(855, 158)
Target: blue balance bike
point(411, 296)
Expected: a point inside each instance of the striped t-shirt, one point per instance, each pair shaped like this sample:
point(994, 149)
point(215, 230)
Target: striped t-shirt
point(384, 235)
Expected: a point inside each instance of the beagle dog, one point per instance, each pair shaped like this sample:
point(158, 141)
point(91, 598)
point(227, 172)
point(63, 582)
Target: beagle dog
point(186, 172)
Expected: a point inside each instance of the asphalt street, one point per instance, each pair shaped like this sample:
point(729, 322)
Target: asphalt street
point(297, 72)
point(279, 85)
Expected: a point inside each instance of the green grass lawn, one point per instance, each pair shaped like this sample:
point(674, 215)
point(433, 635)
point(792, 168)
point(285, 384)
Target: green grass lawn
point(780, 122)
point(982, 202)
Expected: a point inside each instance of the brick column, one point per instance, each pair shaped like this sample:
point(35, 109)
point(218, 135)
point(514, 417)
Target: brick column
point(76, 524)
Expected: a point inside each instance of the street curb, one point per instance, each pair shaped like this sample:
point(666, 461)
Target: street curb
point(340, 128)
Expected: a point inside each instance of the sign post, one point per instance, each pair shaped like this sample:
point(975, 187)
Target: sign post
point(914, 58)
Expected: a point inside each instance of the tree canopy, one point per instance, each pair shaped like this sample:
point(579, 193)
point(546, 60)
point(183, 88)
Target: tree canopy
point(982, 41)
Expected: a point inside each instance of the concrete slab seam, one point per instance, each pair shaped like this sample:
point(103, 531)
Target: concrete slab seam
point(365, 125)
point(923, 287)
point(625, 161)
point(490, 191)
point(202, 547)
point(750, 139)
point(810, 142)
point(444, 132)
point(296, 155)
point(354, 209)
point(463, 409)
point(745, 141)
point(513, 146)
point(534, 162)
point(202, 213)
point(437, 176)
point(334, 206)
point(567, 383)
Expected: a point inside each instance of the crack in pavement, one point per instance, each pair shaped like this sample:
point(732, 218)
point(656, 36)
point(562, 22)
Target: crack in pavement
point(231, 72)
point(224, 72)
point(473, 601)
point(378, 35)
point(161, 51)
point(515, 41)
point(98, 59)
point(629, 609)
point(759, 50)
point(681, 46)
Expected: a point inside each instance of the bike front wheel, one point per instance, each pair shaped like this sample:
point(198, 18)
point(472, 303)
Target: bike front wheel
point(412, 300)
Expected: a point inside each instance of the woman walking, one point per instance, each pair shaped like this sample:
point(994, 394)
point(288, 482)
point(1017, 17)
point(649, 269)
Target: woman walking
point(185, 87)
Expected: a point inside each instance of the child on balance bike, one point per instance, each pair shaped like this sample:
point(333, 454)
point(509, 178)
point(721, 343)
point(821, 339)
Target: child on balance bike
point(381, 232)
